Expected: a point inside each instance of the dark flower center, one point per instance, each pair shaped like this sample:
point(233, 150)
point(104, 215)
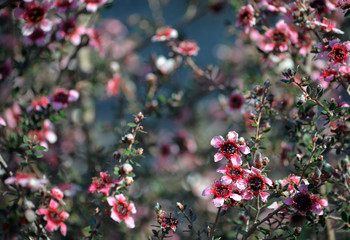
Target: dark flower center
point(69, 27)
point(54, 215)
point(121, 209)
point(35, 14)
point(245, 17)
point(279, 37)
point(64, 3)
point(222, 191)
point(320, 5)
point(339, 54)
point(61, 97)
point(236, 102)
point(37, 34)
point(228, 148)
point(256, 184)
point(234, 172)
point(303, 202)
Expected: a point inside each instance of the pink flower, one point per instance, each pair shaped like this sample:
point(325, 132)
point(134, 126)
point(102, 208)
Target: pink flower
point(64, 5)
point(36, 37)
point(96, 40)
point(189, 48)
point(34, 15)
point(274, 6)
point(103, 184)
point(222, 193)
point(165, 65)
point(93, 5)
point(304, 202)
point(345, 70)
point(62, 97)
point(236, 101)
point(290, 180)
point(329, 26)
point(121, 210)
point(279, 38)
point(2, 122)
point(57, 193)
point(70, 31)
point(304, 43)
point(231, 149)
point(54, 217)
point(328, 74)
point(232, 174)
point(27, 181)
point(246, 17)
point(44, 134)
point(39, 104)
point(165, 34)
point(113, 84)
point(256, 184)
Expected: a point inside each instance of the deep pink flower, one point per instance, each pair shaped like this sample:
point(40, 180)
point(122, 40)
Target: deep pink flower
point(64, 5)
point(96, 40)
point(187, 47)
point(35, 16)
point(291, 180)
point(36, 37)
point(222, 193)
point(57, 193)
point(274, 5)
point(121, 210)
point(165, 34)
point(44, 135)
point(330, 26)
point(256, 184)
point(304, 43)
point(70, 31)
point(305, 202)
point(345, 70)
point(112, 85)
point(39, 104)
point(328, 74)
point(2, 122)
point(336, 52)
point(62, 97)
point(236, 101)
point(231, 149)
point(232, 174)
point(54, 217)
point(246, 17)
point(93, 5)
point(167, 221)
point(279, 38)
point(103, 184)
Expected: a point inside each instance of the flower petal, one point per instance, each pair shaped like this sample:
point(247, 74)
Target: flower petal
point(207, 191)
point(111, 201)
point(217, 141)
point(129, 221)
point(218, 157)
point(264, 196)
point(232, 136)
point(218, 202)
point(244, 149)
point(288, 201)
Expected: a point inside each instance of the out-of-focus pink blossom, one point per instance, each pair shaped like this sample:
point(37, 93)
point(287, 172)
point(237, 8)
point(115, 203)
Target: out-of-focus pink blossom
point(39, 104)
point(93, 5)
point(103, 184)
point(44, 135)
point(62, 97)
point(165, 65)
point(165, 34)
point(36, 37)
point(274, 6)
point(64, 5)
point(246, 17)
point(113, 84)
point(27, 181)
point(70, 31)
point(188, 48)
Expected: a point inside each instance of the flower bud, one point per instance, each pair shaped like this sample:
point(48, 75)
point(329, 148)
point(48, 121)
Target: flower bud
point(180, 206)
point(139, 151)
point(265, 161)
point(126, 168)
point(151, 78)
point(116, 155)
point(299, 157)
point(30, 215)
point(129, 138)
point(128, 180)
point(258, 161)
point(57, 193)
point(140, 115)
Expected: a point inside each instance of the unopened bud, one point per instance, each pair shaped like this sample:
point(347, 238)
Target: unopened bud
point(319, 157)
point(151, 78)
point(126, 168)
point(258, 161)
point(180, 206)
point(129, 138)
point(140, 115)
point(139, 151)
point(265, 161)
point(299, 157)
point(297, 230)
point(30, 215)
point(128, 180)
point(116, 155)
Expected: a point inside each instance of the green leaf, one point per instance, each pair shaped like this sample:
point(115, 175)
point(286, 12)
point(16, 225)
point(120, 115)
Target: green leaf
point(132, 124)
point(40, 148)
point(344, 216)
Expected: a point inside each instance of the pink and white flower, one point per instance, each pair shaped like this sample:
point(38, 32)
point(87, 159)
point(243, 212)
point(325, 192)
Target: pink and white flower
point(103, 184)
point(222, 193)
point(35, 16)
point(27, 181)
point(122, 209)
point(93, 5)
point(256, 185)
point(39, 104)
point(45, 135)
point(305, 202)
point(54, 217)
point(187, 47)
point(165, 34)
point(112, 85)
point(64, 5)
point(36, 37)
point(62, 97)
point(232, 149)
point(246, 17)
point(70, 31)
